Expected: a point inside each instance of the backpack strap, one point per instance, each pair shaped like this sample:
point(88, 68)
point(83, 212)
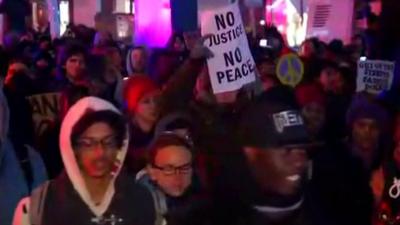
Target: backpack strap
point(160, 205)
point(37, 203)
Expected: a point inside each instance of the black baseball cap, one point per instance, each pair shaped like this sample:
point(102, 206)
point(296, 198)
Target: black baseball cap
point(271, 124)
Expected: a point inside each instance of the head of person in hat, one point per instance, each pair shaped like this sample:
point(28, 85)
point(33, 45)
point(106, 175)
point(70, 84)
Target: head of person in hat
point(367, 122)
point(274, 141)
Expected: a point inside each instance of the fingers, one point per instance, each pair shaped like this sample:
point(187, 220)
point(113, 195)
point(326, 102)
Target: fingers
point(205, 37)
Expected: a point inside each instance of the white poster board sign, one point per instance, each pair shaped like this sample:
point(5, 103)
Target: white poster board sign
point(232, 65)
point(323, 20)
point(374, 76)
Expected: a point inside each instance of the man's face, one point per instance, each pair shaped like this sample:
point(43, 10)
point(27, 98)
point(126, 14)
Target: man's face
point(147, 108)
point(75, 66)
point(138, 58)
point(96, 150)
point(331, 80)
point(172, 170)
point(314, 115)
point(115, 57)
point(366, 134)
point(278, 171)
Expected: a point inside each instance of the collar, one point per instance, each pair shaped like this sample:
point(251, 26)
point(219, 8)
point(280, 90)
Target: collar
point(272, 209)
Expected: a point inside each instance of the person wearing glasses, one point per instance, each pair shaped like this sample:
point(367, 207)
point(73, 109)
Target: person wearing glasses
point(92, 189)
point(169, 175)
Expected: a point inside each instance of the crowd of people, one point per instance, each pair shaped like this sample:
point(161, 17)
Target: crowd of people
point(96, 132)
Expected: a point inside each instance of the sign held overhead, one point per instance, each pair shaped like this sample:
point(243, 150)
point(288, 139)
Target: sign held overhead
point(232, 65)
point(374, 76)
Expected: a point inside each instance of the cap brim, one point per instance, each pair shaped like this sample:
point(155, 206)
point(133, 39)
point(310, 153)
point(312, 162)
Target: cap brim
point(305, 145)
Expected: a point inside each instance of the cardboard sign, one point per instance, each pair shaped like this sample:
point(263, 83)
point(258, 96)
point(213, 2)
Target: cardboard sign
point(374, 76)
point(232, 65)
point(45, 111)
point(290, 70)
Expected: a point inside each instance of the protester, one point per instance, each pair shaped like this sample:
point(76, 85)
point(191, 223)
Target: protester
point(368, 123)
point(164, 63)
point(331, 81)
point(179, 123)
point(267, 71)
point(268, 170)
point(136, 61)
point(18, 86)
point(310, 48)
point(145, 102)
point(358, 157)
point(21, 168)
point(142, 100)
point(385, 185)
point(93, 188)
point(43, 69)
point(177, 43)
point(312, 100)
point(169, 175)
point(344, 177)
point(103, 78)
point(72, 76)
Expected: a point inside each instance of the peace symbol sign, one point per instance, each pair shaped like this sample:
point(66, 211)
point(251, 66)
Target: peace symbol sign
point(290, 70)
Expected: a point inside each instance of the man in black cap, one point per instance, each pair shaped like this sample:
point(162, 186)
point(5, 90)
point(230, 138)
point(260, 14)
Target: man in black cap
point(267, 177)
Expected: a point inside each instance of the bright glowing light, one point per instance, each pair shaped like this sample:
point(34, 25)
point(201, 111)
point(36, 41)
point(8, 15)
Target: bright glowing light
point(262, 22)
point(34, 15)
point(64, 16)
point(281, 28)
point(127, 6)
point(275, 4)
point(152, 22)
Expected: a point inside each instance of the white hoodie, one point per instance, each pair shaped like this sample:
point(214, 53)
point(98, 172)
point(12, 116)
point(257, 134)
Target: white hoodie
point(71, 166)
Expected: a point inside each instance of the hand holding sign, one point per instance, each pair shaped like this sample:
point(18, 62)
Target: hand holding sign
point(374, 76)
point(232, 65)
point(200, 51)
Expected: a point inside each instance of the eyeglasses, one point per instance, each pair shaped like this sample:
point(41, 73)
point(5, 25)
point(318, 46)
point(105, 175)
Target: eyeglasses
point(173, 170)
point(87, 144)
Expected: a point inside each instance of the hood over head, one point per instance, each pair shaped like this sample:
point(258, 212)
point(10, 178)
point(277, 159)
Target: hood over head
point(73, 171)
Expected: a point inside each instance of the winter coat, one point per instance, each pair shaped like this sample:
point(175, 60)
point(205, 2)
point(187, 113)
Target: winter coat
point(66, 200)
point(13, 183)
point(341, 184)
point(189, 209)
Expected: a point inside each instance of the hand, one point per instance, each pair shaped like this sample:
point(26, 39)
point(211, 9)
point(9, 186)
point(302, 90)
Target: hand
point(200, 51)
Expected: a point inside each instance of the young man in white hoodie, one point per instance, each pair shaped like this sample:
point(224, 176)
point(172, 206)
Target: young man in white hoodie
point(93, 189)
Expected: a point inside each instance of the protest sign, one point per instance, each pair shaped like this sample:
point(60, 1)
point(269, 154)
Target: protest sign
point(290, 70)
point(232, 65)
point(374, 76)
point(45, 111)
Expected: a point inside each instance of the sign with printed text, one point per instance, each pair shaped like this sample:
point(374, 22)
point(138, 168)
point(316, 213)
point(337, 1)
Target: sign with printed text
point(232, 65)
point(374, 76)
point(287, 119)
point(290, 70)
point(45, 111)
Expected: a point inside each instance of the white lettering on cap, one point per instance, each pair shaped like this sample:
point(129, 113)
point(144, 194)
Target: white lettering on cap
point(286, 119)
